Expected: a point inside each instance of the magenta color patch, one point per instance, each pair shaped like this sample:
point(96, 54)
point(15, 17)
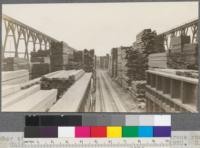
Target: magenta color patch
point(82, 131)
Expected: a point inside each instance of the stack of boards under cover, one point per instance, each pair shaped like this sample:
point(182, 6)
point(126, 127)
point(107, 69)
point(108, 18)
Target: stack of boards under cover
point(40, 63)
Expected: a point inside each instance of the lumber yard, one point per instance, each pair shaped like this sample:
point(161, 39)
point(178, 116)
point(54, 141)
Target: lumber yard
point(160, 80)
point(156, 73)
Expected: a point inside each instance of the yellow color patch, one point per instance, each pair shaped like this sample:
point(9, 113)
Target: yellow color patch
point(114, 131)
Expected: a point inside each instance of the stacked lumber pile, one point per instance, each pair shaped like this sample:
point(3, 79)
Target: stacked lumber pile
point(14, 77)
point(40, 63)
point(36, 80)
point(188, 73)
point(138, 89)
point(61, 54)
point(61, 81)
point(18, 96)
point(157, 60)
point(39, 101)
point(77, 62)
point(185, 57)
point(122, 68)
point(41, 56)
point(13, 64)
point(114, 62)
point(70, 101)
point(181, 72)
point(177, 43)
point(39, 69)
point(13, 89)
point(9, 89)
point(147, 42)
point(88, 60)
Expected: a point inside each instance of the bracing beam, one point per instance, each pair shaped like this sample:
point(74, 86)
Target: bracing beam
point(189, 29)
point(20, 31)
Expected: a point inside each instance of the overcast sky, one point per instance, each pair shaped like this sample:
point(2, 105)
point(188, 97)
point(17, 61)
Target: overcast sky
point(101, 26)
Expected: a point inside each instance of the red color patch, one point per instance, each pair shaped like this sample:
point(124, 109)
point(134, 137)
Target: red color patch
point(98, 131)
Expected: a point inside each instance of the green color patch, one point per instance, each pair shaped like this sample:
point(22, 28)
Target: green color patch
point(129, 131)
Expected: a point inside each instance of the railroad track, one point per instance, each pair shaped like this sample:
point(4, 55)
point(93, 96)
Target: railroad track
point(114, 94)
point(110, 99)
point(107, 99)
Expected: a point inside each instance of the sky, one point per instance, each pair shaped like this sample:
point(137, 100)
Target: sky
point(102, 26)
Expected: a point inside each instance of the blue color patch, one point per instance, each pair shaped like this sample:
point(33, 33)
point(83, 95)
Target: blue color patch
point(145, 131)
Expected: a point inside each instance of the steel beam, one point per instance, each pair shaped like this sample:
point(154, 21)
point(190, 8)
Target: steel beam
point(20, 31)
point(181, 30)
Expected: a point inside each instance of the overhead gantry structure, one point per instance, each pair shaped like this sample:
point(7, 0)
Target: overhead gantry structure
point(20, 31)
point(190, 29)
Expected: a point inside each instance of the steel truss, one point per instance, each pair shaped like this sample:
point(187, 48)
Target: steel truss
point(191, 27)
point(19, 31)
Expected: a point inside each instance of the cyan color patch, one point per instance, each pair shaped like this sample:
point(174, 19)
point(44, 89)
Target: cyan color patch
point(145, 131)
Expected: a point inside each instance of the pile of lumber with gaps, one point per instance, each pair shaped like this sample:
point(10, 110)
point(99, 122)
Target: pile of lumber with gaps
point(147, 42)
point(40, 56)
point(182, 54)
point(157, 60)
point(61, 81)
point(28, 96)
point(73, 98)
point(61, 55)
point(13, 64)
point(88, 60)
point(40, 63)
point(39, 69)
point(138, 88)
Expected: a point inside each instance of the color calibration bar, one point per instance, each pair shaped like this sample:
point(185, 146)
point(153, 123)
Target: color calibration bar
point(79, 127)
point(98, 132)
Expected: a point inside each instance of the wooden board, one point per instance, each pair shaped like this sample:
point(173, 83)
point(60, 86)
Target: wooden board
point(40, 101)
point(9, 89)
point(9, 75)
point(72, 99)
point(16, 97)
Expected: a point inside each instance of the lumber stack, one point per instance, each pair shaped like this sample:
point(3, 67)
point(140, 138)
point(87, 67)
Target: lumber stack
point(39, 69)
point(70, 101)
point(77, 61)
point(61, 54)
point(147, 42)
point(40, 63)
point(14, 77)
point(13, 89)
point(61, 81)
point(13, 64)
point(186, 58)
point(114, 62)
point(177, 43)
point(172, 88)
point(103, 61)
point(188, 73)
point(9, 89)
point(76, 75)
point(40, 101)
point(122, 69)
point(157, 60)
point(36, 80)
point(40, 56)
point(88, 60)
point(18, 96)
point(138, 89)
